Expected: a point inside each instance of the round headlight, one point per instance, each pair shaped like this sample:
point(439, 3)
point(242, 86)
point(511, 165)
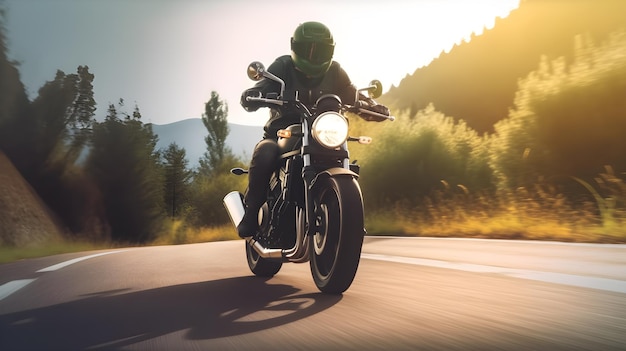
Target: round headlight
point(330, 129)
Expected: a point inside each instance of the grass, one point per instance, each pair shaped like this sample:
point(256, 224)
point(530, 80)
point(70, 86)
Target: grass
point(11, 254)
point(521, 215)
point(179, 233)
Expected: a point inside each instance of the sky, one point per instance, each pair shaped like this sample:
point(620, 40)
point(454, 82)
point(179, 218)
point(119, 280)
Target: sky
point(167, 56)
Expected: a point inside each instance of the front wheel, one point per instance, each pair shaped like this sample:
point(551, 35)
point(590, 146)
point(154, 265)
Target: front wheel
point(260, 266)
point(336, 244)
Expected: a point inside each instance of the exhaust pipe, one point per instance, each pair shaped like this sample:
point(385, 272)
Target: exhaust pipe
point(233, 202)
point(263, 251)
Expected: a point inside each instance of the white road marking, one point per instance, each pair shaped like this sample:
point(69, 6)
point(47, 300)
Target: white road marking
point(67, 263)
point(9, 288)
point(606, 284)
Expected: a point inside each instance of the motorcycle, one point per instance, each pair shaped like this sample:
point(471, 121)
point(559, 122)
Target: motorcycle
point(314, 208)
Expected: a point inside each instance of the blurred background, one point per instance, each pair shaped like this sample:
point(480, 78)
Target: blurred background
point(512, 128)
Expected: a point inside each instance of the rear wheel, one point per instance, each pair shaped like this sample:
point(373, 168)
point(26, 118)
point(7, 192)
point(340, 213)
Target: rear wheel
point(336, 244)
point(260, 266)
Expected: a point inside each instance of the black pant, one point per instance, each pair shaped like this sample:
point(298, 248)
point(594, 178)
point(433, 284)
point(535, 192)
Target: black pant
point(264, 162)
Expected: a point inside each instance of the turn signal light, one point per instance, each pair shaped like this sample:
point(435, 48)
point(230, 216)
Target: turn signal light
point(365, 140)
point(284, 133)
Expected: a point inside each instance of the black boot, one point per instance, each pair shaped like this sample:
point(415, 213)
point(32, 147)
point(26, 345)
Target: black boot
point(249, 224)
point(263, 163)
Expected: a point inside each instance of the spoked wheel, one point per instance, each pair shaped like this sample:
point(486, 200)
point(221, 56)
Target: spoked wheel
point(336, 244)
point(260, 266)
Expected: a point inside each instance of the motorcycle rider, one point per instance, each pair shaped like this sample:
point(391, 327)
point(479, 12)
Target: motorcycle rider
point(311, 72)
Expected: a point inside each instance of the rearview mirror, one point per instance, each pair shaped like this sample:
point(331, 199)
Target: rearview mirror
point(375, 89)
point(255, 70)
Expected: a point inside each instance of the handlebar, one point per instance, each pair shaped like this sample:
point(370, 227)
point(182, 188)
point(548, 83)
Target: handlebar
point(361, 110)
point(265, 100)
point(353, 109)
point(376, 114)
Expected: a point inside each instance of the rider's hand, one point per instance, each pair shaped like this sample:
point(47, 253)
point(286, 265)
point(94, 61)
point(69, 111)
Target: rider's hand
point(250, 106)
point(382, 109)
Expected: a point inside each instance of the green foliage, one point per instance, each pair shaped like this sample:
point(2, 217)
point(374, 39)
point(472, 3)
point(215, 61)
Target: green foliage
point(568, 120)
point(177, 179)
point(126, 169)
point(213, 180)
point(416, 156)
point(477, 80)
point(50, 112)
point(13, 101)
point(566, 124)
point(80, 115)
point(215, 119)
point(55, 126)
point(125, 188)
point(76, 200)
point(209, 191)
point(609, 194)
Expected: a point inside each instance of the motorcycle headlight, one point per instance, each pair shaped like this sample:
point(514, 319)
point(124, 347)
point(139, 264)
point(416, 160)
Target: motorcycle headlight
point(330, 129)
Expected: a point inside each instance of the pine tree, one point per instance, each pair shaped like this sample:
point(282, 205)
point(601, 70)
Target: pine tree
point(177, 179)
point(127, 170)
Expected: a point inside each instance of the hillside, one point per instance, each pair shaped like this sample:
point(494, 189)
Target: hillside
point(190, 133)
point(24, 219)
point(477, 80)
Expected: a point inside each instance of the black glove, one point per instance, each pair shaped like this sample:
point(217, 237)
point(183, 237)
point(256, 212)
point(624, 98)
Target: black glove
point(250, 106)
point(380, 109)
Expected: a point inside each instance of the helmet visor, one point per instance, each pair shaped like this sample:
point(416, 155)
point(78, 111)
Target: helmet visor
point(314, 52)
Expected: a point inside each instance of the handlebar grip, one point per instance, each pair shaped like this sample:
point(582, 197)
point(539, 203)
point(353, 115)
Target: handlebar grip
point(265, 100)
point(376, 114)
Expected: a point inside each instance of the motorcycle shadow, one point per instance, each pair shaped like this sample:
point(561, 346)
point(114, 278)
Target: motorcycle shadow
point(203, 310)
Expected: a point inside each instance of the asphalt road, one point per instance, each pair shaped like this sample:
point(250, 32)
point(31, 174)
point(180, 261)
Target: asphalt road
point(409, 294)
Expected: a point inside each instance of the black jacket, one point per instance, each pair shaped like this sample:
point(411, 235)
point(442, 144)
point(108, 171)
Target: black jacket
point(335, 81)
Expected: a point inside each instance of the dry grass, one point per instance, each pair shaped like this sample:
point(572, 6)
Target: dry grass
point(179, 233)
point(514, 216)
point(26, 230)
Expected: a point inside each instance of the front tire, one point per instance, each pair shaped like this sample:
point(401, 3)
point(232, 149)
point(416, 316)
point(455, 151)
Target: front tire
point(260, 266)
point(336, 244)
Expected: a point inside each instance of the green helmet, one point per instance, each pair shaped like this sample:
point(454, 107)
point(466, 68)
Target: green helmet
point(312, 48)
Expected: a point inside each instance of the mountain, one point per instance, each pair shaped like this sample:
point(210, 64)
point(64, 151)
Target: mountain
point(477, 80)
point(190, 133)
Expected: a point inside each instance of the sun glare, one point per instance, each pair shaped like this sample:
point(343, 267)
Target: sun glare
point(400, 41)
point(373, 42)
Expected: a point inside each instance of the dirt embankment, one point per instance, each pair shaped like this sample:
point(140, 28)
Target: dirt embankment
point(24, 218)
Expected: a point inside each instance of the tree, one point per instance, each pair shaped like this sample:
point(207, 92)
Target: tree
point(177, 179)
point(216, 123)
point(442, 152)
point(128, 173)
point(208, 192)
point(213, 180)
point(81, 114)
point(568, 119)
point(14, 103)
point(57, 124)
